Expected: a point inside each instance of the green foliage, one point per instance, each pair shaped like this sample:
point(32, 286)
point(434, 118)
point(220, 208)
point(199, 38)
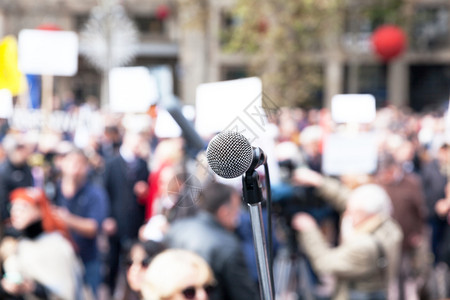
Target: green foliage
point(282, 37)
point(384, 12)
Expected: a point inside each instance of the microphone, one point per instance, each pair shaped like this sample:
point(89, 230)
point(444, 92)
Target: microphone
point(230, 155)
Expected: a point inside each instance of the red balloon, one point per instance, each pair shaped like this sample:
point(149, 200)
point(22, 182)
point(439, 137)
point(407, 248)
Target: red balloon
point(162, 12)
point(389, 41)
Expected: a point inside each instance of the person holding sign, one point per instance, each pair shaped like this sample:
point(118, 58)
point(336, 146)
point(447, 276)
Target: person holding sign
point(365, 263)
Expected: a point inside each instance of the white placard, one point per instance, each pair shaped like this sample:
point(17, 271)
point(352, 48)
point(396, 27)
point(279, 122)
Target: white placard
point(48, 52)
point(238, 105)
point(132, 89)
point(353, 108)
point(345, 154)
point(6, 104)
point(220, 105)
point(166, 126)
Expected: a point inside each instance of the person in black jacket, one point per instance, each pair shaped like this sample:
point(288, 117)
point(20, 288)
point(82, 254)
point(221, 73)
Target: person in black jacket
point(14, 171)
point(125, 180)
point(210, 234)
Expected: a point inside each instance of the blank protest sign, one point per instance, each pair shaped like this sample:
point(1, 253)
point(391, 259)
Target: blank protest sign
point(45, 52)
point(353, 108)
point(221, 105)
point(132, 89)
point(345, 154)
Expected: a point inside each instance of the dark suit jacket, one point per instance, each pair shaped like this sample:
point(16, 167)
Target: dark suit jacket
point(119, 181)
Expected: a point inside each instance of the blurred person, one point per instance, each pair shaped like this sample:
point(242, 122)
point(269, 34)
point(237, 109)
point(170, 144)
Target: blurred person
point(125, 180)
point(287, 126)
point(165, 187)
point(44, 264)
point(434, 178)
point(407, 156)
point(42, 160)
point(311, 139)
point(409, 210)
point(166, 159)
point(96, 160)
point(367, 257)
point(172, 189)
point(442, 268)
point(288, 199)
point(2, 153)
point(4, 128)
point(177, 274)
point(137, 261)
point(210, 234)
point(14, 171)
point(83, 206)
point(310, 144)
point(110, 142)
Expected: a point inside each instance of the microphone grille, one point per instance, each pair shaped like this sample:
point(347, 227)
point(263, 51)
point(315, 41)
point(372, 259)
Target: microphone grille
point(229, 154)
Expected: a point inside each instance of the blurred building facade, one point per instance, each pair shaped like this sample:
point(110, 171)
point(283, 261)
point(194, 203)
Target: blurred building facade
point(186, 34)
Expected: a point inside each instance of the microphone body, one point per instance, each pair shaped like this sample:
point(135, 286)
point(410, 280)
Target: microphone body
point(230, 155)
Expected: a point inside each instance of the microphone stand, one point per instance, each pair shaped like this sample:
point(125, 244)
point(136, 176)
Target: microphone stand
point(252, 193)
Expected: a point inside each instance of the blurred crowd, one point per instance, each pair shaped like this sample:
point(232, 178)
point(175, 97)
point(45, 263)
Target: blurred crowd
point(127, 214)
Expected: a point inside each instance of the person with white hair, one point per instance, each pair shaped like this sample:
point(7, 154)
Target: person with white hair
point(365, 263)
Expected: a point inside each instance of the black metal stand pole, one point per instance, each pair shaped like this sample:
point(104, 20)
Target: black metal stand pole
point(253, 196)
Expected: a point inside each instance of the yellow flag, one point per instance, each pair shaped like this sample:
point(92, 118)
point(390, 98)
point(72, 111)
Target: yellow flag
point(10, 76)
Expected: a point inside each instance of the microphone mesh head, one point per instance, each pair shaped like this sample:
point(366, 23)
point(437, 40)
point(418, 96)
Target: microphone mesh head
point(229, 154)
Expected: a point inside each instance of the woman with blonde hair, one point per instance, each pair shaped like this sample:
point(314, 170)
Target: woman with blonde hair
point(177, 274)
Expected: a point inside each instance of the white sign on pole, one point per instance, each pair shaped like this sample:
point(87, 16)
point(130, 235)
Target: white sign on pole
point(221, 104)
point(48, 52)
point(238, 105)
point(132, 89)
point(6, 104)
point(345, 154)
point(353, 108)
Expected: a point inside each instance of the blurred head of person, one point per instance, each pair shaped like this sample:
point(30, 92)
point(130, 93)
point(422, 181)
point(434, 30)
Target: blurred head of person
point(310, 143)
point(31, 212)
point(443, 154)
point(16, 149)
point(111, 135)
point(310, 140)
point(289, 157)
point(134, 145)
point(177, 274)
point(367, 204)
point(168, 151)
point(137, 261)
point(223, 202)
point(75, 165)
point(389, 170)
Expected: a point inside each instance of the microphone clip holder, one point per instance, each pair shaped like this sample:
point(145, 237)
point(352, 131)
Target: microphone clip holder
point(252, 189)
